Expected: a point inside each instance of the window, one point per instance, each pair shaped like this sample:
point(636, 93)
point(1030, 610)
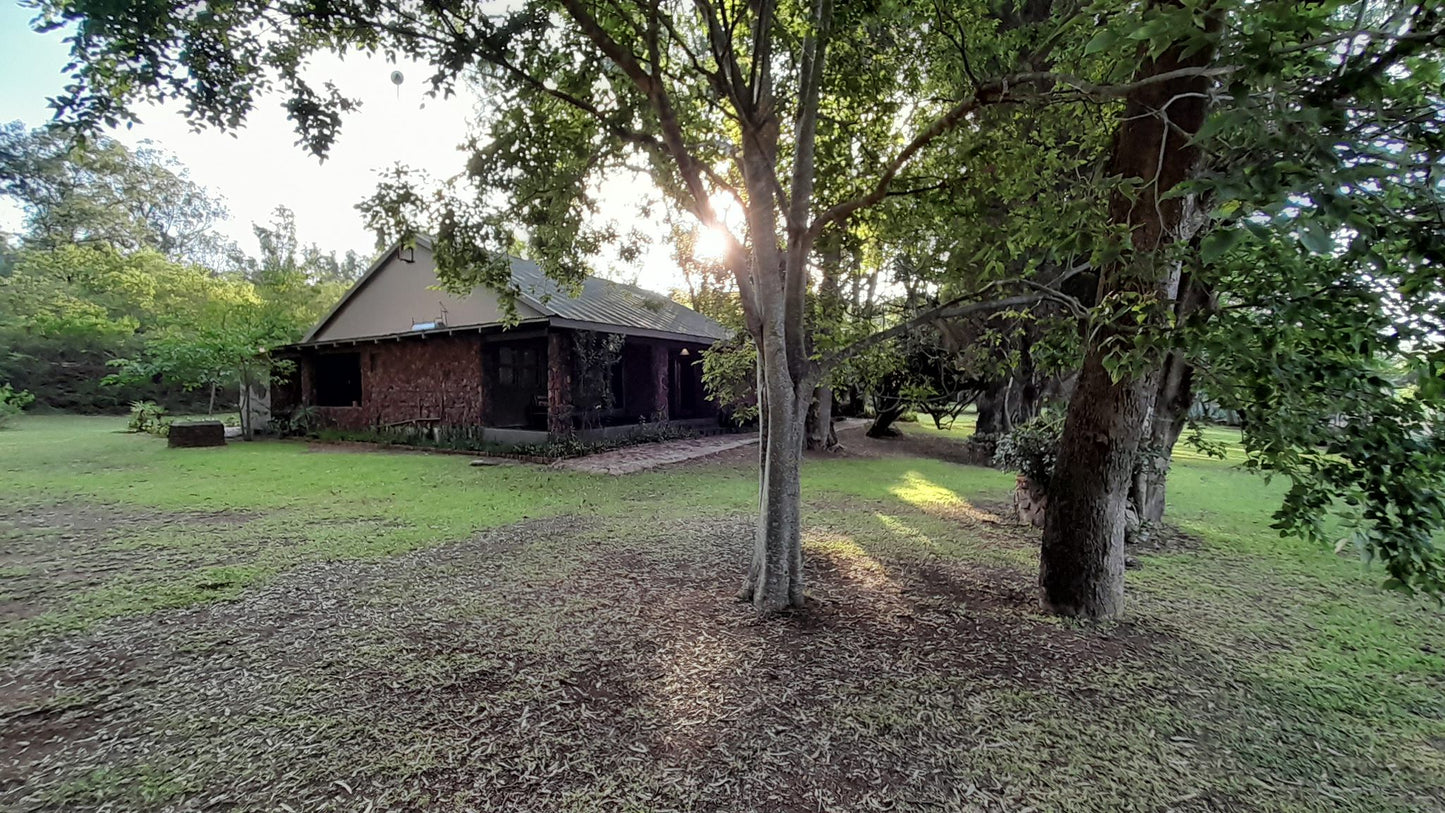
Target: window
point(520, 367)
point(338, 379)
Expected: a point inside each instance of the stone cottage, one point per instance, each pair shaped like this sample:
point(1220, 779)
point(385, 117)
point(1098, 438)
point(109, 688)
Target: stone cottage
point(398, 352)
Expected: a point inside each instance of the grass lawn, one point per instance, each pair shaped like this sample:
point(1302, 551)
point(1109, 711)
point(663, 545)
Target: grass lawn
point(271, 626)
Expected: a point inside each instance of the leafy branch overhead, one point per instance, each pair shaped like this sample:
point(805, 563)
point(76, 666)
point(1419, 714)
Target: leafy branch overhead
point(1108, 178)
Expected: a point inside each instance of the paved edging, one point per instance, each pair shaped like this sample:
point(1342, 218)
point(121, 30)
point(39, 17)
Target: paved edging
point(645, 456)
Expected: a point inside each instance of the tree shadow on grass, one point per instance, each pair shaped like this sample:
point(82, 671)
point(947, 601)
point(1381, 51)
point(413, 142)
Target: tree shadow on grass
point(569, 664)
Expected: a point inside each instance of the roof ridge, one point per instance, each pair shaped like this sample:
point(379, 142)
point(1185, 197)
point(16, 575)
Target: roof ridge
point(610, 302)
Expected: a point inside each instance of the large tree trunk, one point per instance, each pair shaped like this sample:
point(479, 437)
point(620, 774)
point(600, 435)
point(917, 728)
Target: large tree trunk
point(1172, 402)
point(775, 575)
point(882, 426)
point(1081, 565)
point(992, 405)
point(821, 435)
point(1171, 412)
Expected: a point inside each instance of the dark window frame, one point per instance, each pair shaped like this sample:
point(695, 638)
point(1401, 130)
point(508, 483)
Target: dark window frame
point(336, 380)
point(520, 366)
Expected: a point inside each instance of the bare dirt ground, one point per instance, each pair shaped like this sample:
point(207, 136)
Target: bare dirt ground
point(486, 674)
point(49, 552)
point(598, 661)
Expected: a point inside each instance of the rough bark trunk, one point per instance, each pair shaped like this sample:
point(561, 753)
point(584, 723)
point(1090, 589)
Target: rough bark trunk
point(1171, 412)
point(821, 435)
point(1026, 378)
point(211, 405)
point(851, 405)
point(1081, 567)
point(1081, 564)
point(991, 404)
point(882, 426)
point(1171, 409)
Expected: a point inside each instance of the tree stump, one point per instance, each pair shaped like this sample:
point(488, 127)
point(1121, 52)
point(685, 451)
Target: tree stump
point(199, 433)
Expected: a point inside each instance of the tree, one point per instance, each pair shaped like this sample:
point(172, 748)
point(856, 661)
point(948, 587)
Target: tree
point(1081, 570)
point(66, 313)
point(1340, 394)
point(298, 279)
point(723, 99)
point(709, 285)
point(99, 192)
point(69, 315)
point(227, 344)
point(1325, 128)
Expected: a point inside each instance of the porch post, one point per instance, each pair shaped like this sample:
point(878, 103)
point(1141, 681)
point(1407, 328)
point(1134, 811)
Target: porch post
point(484, 386)
point(307, 376)
point(559, 383)
point(660, 377)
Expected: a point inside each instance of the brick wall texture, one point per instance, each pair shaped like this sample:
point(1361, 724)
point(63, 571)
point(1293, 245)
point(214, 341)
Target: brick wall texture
point(431, 381)
point(559, 383)
point(438, 381)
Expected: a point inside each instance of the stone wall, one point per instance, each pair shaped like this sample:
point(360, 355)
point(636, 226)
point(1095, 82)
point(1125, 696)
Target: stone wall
point(661, 358)
point(433, 381)
point(559, 383)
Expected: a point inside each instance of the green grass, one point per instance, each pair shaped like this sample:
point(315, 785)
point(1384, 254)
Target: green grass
point(1273, 674)
point(283, 505)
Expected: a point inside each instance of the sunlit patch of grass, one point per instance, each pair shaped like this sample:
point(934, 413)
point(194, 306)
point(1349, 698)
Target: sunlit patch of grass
point(922, 493)
point(878, 479)
point(841, 549)
point(919, 491)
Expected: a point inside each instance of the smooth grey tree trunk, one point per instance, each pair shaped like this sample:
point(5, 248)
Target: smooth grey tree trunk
point(775, 575)
point(245, 408)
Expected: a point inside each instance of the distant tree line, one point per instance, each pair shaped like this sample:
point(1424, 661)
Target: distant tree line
point(119, 288)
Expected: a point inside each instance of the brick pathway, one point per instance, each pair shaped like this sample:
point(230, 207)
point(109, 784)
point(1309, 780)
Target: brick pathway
point(650, 455)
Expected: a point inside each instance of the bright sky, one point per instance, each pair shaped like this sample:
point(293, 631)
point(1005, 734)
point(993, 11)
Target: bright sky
point(260, 167)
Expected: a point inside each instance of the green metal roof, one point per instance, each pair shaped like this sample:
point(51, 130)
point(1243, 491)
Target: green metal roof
point(601, 305)
point(607, 303)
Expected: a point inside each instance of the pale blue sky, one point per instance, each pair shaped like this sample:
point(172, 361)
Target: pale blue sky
point(260, 167)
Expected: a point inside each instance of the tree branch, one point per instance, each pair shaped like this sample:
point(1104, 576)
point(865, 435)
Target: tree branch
point(945, 123)
point(998, 91)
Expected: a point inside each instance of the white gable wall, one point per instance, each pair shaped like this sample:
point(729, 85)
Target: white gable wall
point(400, 293)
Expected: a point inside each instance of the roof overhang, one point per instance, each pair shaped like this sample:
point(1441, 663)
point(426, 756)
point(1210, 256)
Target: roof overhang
point(639, 332)
point(450, 330)
point(497, 327)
